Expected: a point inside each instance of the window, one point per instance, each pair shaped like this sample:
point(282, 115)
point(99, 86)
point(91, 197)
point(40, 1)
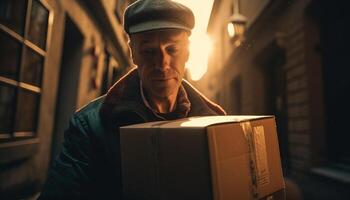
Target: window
point(23, 38)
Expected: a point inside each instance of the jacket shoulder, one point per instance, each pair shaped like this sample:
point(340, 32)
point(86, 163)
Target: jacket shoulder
point(87, 117)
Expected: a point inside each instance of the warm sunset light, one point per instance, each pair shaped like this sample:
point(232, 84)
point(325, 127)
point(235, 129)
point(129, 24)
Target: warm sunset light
point(200, 42)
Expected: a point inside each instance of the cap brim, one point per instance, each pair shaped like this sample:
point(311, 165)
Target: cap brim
point(155, 25)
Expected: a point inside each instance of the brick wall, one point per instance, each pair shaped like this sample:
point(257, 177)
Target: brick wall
point(297, 100)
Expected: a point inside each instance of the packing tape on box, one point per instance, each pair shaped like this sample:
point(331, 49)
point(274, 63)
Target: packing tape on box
point(259, 169)
point(156, 155)
point(262, 168)
point(248, 133)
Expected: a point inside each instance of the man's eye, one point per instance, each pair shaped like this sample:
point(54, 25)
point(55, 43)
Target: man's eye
point(172, 50)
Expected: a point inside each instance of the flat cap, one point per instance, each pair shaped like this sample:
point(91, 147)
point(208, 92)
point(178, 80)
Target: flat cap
point(147, 15)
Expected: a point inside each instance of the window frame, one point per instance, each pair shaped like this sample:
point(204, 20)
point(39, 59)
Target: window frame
point(25, 143)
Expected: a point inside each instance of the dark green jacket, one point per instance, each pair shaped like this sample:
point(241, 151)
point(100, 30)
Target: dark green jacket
point(88, 166)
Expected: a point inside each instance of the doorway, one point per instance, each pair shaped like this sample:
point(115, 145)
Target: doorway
point(68, 82)
point(335, 62)
point(272, 59)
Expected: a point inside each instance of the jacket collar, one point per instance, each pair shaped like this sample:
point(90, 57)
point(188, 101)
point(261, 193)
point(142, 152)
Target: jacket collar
point(125, 97)
point(183, 104)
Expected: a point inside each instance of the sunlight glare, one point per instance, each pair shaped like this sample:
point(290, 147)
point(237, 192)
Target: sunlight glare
point(200, 46)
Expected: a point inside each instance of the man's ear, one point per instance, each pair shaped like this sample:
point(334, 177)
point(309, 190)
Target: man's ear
point(187, 54)
point(188, 43)
point(132, 52)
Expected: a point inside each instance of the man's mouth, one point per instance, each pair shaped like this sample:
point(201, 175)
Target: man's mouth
point(161, 76)
point(162, 79)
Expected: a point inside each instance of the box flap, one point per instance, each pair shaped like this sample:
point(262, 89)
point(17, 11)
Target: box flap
point(198, 122)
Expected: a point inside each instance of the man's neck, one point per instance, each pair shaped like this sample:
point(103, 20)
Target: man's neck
point(163, 105)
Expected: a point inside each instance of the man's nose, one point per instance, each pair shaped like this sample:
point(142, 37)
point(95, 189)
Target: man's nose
point(162, 59)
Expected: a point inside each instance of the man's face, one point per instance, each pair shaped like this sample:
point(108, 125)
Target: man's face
point(160, 57)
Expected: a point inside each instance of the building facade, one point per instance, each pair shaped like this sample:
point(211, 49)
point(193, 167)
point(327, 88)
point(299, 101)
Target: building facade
point(290, 63)
point(55, 57)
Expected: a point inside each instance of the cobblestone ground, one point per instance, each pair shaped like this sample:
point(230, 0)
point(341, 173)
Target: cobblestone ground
point(320, 188)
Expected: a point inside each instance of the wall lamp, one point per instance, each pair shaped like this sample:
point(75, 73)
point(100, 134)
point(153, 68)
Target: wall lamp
point(236, 24)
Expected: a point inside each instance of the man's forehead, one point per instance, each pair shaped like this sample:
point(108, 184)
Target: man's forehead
point(172, 36)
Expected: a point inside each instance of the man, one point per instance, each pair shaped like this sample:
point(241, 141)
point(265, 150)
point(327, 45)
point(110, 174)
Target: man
point(89, 163)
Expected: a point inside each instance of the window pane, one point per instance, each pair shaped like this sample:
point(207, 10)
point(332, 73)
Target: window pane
point(32, 68)
point(10, 53)
point(38, 24)
point(27, 110)
point(12, 14)
point(7, 105)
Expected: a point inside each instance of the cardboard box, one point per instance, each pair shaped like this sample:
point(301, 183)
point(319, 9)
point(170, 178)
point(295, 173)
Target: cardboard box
point(204, 158)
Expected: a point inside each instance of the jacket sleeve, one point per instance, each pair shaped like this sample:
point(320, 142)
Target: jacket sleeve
point(70, 176)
